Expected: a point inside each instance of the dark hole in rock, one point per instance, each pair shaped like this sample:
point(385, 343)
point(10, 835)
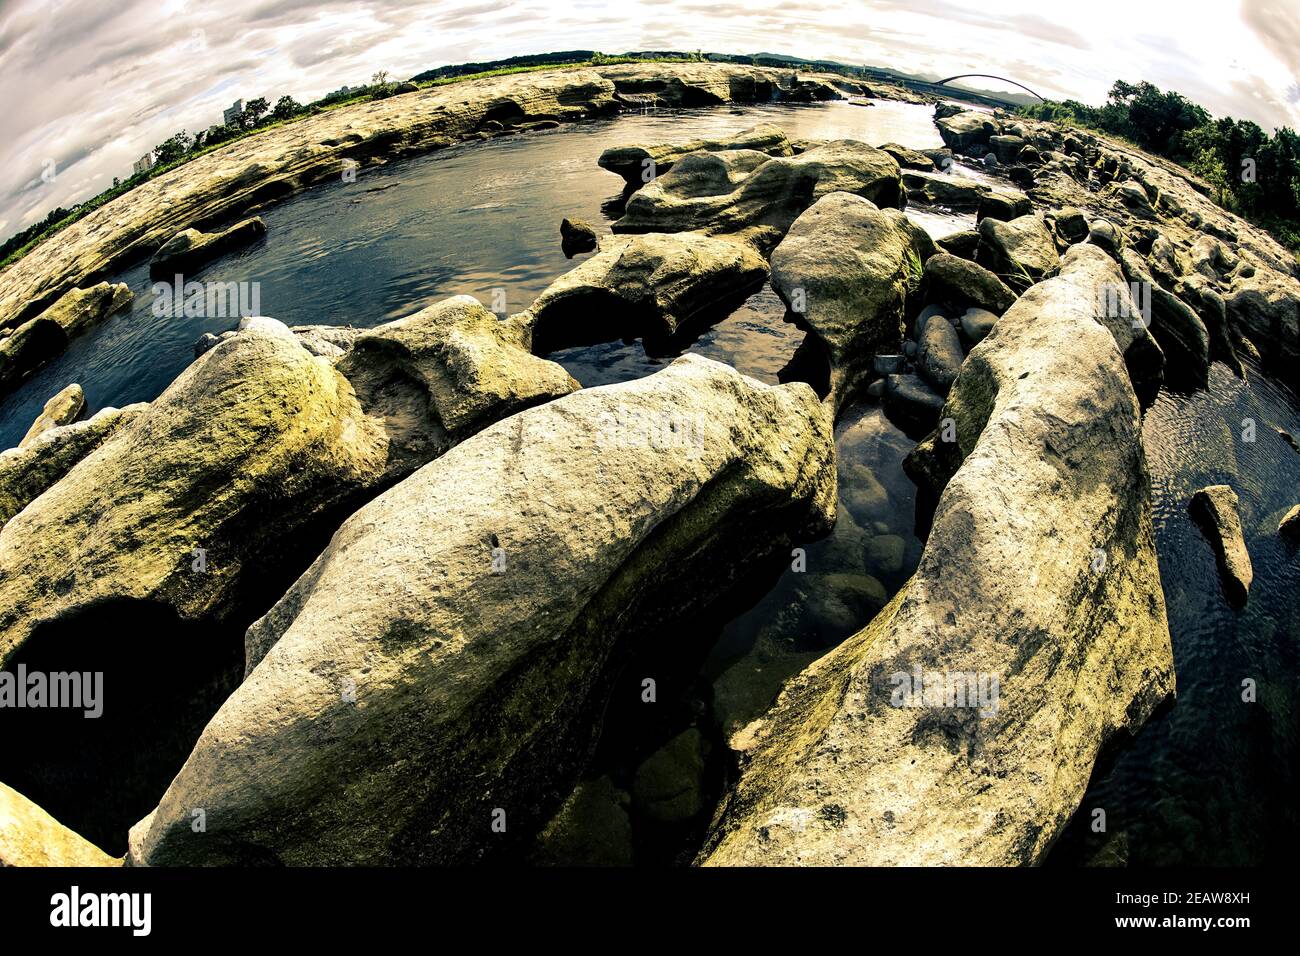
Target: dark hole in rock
point(811, 363)
point(163, 678)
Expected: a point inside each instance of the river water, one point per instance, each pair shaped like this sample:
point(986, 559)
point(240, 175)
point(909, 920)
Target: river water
point(1208, 781)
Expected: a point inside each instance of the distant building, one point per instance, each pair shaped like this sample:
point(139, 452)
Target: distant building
point(143, 164)
point(232, 116)
point(341, 91)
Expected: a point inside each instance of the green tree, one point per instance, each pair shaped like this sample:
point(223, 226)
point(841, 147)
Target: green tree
point(172, 148)
point(286, 107)
point(254, 110)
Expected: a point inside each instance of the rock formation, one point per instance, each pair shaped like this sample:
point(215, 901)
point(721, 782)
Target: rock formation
point(62, 409)
point(27, 344)
point(445, 658)
point(643, 285)
point(1215, 510)
point(749, 194)
point(640, 164)
point(845, 270)
point(190, 249)
point(1040, 573)
point(31, 837)
point(253, 450)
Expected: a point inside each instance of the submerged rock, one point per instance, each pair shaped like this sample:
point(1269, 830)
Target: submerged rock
point(62, 409)
point(912, 404)
point(446, 659)
point(577, 236)
point(643, 285)
point(249, 454)
point(1215, 509)
point(34, 342)
point(591, 828)
point(639, 165)
point(191, 249)
point(31, 837)
point(745, 192)
point(668, 787)
point(1040, 574)
point(845, 269)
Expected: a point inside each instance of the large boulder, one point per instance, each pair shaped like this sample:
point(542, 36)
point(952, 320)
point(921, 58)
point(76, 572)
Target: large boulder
point(62, 409)
point(1021, 252)
point(962, 725)
point(964, 130)
point(909, 158)
point(1177, 327)
point(845, 269)
point(191, 249)
point(641, 285)
point(1005, 205)
point(1265, 307)
point(958, 282)
point(943, 189)
point(28, 346)
point(639, 164)
point(251, 451)
point(444, 663)
point(746, 192)
point(1215, 509)
point(939, 354)
point(35, 465)
point(31, 837)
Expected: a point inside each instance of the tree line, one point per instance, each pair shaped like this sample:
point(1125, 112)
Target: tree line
point(1250, 172)
point(182, 146)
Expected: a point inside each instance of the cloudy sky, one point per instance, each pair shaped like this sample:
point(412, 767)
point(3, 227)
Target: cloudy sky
point(90, 85)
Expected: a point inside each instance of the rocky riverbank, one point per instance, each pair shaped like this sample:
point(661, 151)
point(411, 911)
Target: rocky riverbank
point(405, 567)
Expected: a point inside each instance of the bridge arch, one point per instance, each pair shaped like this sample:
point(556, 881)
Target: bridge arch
point(989, 76)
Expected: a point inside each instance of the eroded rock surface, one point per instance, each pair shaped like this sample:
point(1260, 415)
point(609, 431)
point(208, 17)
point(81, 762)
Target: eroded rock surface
point(1046, 483)
point(402, 690)
point(35, 465)
point(61, 409)
point(845, 269)
point(643, 285)
point(639, 164)
point(191, 249)
point(27, 344)
point(749, 194)
point(31, 837)
point(1215, 509)
point(249, 453)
